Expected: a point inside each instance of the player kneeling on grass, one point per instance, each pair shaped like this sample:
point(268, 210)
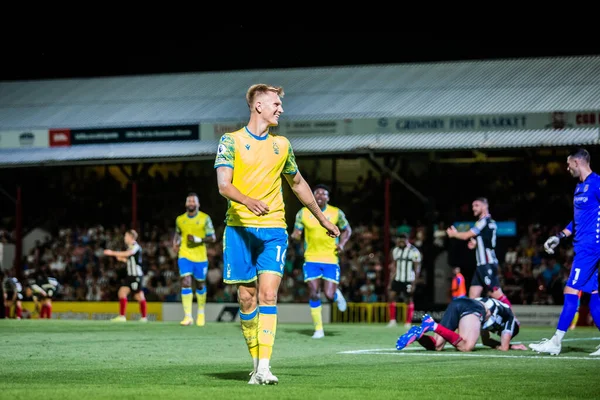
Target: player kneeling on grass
point(472, 318)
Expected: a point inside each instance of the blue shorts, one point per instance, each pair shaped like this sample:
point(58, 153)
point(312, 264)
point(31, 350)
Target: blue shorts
point(584, 271)
point(314, 270)
point(249, 252)
point(196, 269)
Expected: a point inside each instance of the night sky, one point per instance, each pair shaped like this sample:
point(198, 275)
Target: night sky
point(236, 47)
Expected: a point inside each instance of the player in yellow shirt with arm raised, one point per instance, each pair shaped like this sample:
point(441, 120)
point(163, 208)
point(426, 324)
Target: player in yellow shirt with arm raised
point(321, 255)
point(249, 165)
point(192, 230)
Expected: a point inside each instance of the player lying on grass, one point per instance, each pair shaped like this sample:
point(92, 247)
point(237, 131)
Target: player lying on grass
point(472, 318)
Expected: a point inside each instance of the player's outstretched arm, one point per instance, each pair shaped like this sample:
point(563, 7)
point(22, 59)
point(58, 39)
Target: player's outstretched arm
point(306, 197)
point(452, 232)
point(230, 192)
point(118, 254)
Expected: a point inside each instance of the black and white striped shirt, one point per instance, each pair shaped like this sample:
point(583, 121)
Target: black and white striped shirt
point(502, 319)
point(405, 259)
point(134, 261)
point(485, 229)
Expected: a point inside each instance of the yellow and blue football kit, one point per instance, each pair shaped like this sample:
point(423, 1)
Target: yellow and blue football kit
point(253, 244)
point(320, 258)
point(192, 258)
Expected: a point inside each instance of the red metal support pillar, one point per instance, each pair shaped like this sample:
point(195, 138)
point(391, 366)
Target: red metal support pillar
point(18, 233)
point(134, 205)
point(386, 228)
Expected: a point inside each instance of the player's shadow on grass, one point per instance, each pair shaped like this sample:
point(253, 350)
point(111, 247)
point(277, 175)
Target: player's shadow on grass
point(309, 332)
point(231, 375)
point(575, 349)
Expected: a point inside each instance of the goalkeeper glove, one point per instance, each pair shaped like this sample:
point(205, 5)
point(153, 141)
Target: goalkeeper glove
point(553, 241)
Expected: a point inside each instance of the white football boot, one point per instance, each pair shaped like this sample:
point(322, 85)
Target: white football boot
point(596, 353)
point(253, 380)
point(546, 346)
point(264, 376)
point(318, 334)
point(341, 301)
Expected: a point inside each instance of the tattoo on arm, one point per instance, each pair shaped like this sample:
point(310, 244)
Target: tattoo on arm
point(313, 207)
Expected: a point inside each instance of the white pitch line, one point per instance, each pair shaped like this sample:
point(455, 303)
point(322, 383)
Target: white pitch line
point(411, 352)
point(437, 354)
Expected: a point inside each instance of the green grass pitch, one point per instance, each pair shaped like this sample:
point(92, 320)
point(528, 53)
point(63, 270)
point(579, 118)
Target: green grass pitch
point(63, 359)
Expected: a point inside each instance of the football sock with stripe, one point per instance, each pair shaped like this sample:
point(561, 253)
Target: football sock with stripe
point(249, 322)
point(187, 298)
point(201, 299)
point(316, 313)
point(267, 328)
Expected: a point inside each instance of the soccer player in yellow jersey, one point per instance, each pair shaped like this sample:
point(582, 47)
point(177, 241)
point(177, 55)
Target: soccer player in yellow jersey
point(192, 230)
point(321, 255)
point(249, 164)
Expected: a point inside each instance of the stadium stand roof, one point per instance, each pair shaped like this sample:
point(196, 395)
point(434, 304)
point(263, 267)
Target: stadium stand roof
point(350, 144)
point(400, 90)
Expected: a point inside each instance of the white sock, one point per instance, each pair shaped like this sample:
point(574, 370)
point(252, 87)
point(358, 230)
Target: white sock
point(263, 363)
point(558, 336)
point(255, 362)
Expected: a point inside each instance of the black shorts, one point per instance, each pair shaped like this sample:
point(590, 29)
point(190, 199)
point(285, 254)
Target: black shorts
point(486, 275)
point(9, 296)
point(516, 330)
point(460, 307)
point(403, 290)
point(134, 283)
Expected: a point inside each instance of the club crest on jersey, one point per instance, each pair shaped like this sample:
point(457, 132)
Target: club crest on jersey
point(586, 187)
point(275, 148)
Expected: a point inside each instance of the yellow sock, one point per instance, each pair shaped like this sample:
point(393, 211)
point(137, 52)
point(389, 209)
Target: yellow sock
point(187, 298)
point(201, 299)
point(316, 313)
point(267, 328)
point(249, 323)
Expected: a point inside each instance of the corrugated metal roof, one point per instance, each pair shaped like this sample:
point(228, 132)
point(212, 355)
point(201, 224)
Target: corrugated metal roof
point(355, 144)
point(425, 89)
point(447, 141)
point(106, 153)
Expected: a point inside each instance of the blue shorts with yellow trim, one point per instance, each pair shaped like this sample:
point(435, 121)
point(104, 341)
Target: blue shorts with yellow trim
point(315, 270)
point(249, 252)
point(195, 268)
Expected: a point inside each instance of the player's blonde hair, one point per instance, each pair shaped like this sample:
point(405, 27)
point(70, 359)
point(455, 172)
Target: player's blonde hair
point(261, 88)
point(133, 234)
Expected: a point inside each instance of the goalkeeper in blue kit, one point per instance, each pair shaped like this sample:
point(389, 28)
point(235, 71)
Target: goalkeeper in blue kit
point(585, 230)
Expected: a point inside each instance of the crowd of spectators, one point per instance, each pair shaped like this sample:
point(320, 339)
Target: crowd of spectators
point(534, 194)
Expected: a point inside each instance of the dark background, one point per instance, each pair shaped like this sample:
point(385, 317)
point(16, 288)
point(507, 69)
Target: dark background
point(236, 47)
